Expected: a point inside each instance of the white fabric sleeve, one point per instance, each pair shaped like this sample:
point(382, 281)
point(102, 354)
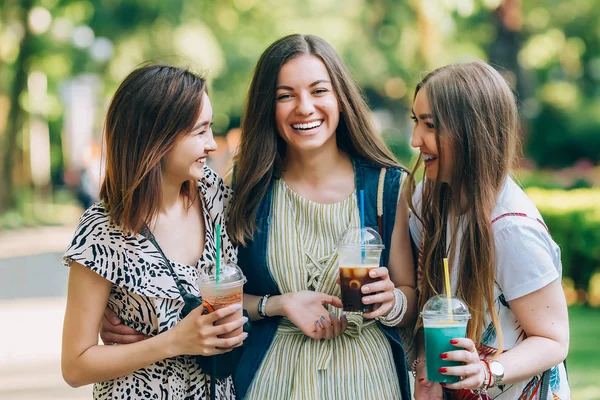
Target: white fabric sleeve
point(527, 258)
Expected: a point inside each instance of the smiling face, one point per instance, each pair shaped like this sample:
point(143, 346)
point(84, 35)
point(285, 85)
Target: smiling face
point(187, 158)
point(424, 139)
point(306, 108)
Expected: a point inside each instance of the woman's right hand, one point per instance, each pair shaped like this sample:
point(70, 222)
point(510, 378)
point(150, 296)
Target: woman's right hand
point(306, 310)
point(113, 331)
point(425, 390)
point(197, 334)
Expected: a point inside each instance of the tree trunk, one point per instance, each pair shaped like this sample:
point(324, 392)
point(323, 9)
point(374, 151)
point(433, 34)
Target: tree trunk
point(15, 118)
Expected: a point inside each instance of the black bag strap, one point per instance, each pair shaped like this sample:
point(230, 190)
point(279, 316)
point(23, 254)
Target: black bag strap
point(190, 301)
point(184, 293)
point(545, 385)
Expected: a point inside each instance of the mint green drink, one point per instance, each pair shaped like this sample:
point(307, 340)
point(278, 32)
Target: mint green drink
point(440, 327)
point(437, 341)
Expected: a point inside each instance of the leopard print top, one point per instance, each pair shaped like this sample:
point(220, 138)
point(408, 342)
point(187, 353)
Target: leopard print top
point(144, 294)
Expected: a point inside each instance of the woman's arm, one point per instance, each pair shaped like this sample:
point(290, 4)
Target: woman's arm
point(544, 317)
point(84, 361)
point(401, 266)
point(305, 309)
point(401, 271)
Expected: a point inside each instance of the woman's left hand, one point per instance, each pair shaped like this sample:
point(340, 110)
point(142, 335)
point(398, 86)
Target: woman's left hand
point(380, 293)
point(472, 374)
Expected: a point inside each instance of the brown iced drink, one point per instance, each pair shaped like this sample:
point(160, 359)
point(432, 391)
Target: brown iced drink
point(359, 252)
point(352, 279)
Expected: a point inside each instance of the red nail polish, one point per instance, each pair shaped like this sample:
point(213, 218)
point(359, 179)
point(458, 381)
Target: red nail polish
point(443, 355)
point(442, 370)
point(421, 379)
point(443, 384)
point(454, 341)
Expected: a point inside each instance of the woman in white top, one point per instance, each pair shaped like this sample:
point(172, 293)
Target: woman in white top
point(503, 261)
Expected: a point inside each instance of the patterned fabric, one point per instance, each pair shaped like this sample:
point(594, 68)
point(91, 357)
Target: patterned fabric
point(355, 365)
point(521, 239)
point(145, 297)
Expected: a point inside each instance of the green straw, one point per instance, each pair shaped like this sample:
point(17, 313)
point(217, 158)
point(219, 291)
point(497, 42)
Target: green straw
point(218, 259)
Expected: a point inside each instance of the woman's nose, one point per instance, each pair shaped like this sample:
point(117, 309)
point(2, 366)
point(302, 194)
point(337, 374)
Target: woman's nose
point(415, 138)
point(305, 106)
point(211, 144)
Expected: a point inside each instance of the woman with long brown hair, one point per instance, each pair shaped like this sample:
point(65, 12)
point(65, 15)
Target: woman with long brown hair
point(503, 261)
point(157, 189)
point(308, 148)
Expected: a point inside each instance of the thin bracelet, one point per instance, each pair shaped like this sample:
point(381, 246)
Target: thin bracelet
point(486, 381)
point(415, 363)
point(262, 306)
point(490, 381)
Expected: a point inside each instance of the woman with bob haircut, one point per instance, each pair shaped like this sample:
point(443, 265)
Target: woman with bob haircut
point(308, 147)
point(503, 261)
point(157, 189)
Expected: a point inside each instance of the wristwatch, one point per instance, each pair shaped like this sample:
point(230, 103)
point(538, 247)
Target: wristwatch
point(497, 371)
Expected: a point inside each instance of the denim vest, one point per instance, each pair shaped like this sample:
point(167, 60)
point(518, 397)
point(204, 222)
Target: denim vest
point(252, 259)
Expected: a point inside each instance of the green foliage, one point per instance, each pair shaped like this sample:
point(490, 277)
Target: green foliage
point(582, 362)
point(573, 218)
point(560, 138)
point(402, 150)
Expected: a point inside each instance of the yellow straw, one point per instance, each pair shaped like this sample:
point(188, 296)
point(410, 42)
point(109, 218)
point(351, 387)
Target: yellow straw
point(448, 292)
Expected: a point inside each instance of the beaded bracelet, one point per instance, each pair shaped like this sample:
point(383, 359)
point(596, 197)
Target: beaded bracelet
point(398, 311)
point(262, 306)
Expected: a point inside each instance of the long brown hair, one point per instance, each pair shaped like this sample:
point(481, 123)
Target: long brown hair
point(262, 150)
point(152, 108)
point(474, 108)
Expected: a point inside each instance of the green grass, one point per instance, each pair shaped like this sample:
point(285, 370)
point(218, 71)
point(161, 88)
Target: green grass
point(583, 362)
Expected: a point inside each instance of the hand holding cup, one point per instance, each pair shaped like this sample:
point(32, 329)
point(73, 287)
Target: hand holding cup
point(379, 293)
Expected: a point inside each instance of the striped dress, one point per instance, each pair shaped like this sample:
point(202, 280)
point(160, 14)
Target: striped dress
point(301, 256)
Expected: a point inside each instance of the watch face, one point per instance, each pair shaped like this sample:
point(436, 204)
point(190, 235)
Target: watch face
point(497, 368)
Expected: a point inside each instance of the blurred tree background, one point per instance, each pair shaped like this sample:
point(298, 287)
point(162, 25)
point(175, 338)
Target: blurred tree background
point(60, 60)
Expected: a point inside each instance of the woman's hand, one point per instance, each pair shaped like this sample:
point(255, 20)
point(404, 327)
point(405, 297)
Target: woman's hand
point(425, 390)
point(113, 331)
point(472, 374)
point(196, 334)
point(380, 293)
point(306, 310)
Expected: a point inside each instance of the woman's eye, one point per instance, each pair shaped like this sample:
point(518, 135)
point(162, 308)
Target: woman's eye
point(429, 125)
point(283, 96)
point(320, 91)
point(413, 118)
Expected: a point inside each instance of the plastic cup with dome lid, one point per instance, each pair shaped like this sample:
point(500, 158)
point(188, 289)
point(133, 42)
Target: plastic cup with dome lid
point(444, 318)
point(359, 251)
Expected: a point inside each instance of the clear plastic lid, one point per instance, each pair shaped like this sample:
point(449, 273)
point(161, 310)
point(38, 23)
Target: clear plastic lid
point(438, 306)
point(230, 275)
point(367, 238)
